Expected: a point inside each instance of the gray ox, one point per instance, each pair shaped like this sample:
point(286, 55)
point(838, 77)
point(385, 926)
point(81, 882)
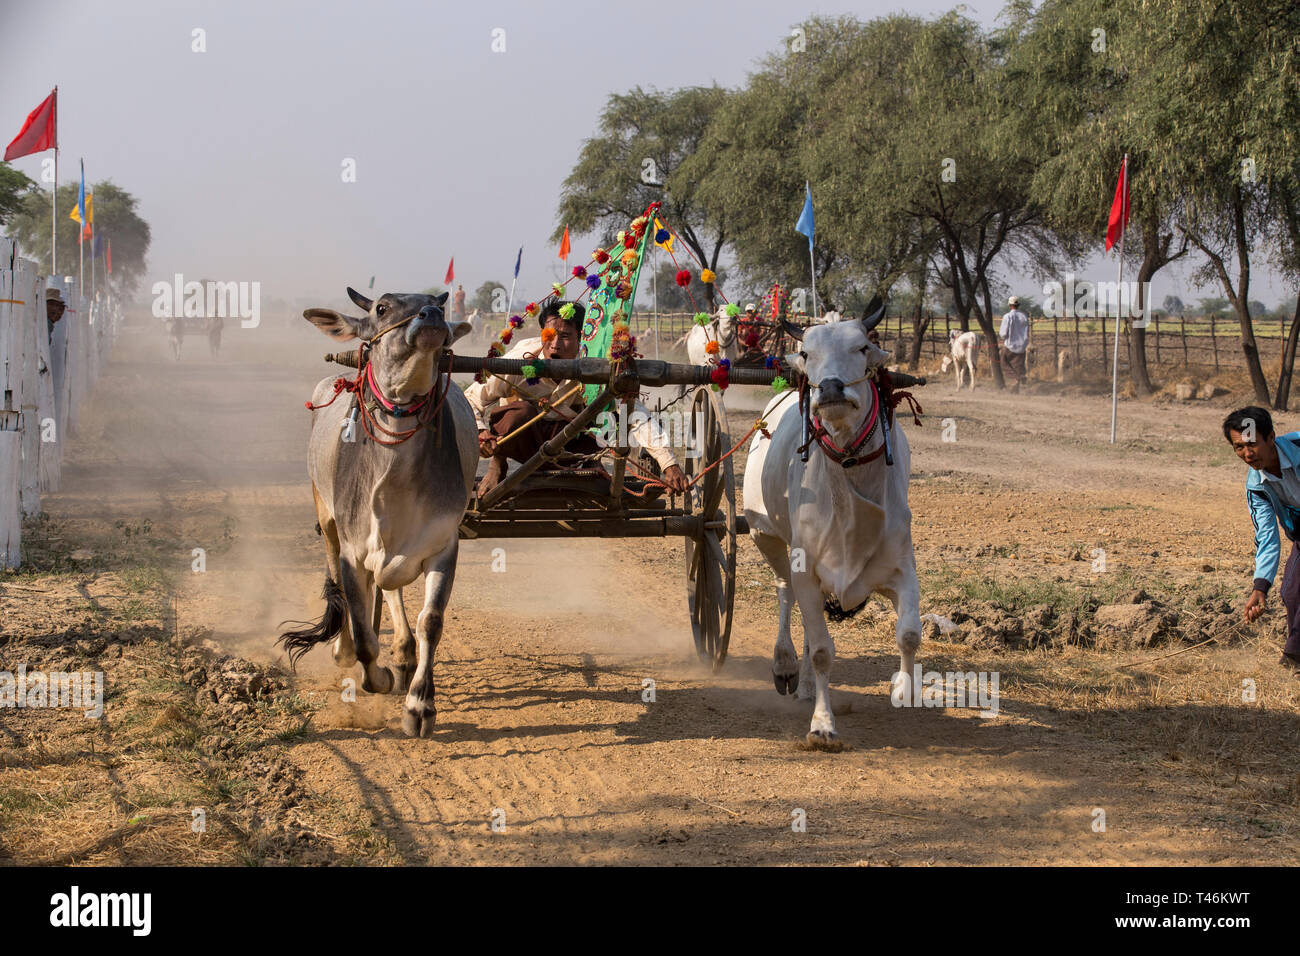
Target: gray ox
point(847, 529)
point(390, 513)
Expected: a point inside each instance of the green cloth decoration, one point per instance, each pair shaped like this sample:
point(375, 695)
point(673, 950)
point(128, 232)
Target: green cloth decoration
point(605, 309)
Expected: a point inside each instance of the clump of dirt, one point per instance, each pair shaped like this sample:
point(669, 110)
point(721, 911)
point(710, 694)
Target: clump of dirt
point(1135, 620)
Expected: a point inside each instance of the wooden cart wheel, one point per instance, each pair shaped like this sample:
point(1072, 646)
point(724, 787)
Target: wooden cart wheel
point(711, 557)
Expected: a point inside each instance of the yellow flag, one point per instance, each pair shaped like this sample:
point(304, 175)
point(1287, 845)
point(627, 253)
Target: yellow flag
point(667, 244)
point(75, 215)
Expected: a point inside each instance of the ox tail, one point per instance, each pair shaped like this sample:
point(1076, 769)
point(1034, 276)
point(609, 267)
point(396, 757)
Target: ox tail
point(299, 641)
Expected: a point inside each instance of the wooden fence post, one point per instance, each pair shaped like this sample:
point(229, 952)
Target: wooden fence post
point(1155, 334)
point(1214, 340)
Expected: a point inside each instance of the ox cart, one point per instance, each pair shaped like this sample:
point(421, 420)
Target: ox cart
point(539, 500)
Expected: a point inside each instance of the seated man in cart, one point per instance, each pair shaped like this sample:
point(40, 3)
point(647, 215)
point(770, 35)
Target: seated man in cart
point(514, 430)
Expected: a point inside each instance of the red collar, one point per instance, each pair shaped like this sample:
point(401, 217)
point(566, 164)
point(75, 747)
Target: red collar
point(398, 411)
point(848, 457)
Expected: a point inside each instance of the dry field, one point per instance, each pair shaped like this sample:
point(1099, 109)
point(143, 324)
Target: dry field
point(542, 722)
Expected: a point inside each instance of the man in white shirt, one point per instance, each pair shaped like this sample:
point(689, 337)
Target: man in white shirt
point(1015, 340)
point(504, 403)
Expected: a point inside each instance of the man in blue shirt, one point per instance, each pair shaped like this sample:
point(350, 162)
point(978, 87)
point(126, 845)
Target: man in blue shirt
point(1273, 494)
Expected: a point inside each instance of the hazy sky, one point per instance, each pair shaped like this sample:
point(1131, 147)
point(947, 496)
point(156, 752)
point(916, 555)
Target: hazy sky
point(236, 153)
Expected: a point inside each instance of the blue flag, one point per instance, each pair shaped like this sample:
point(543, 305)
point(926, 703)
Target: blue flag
point(517, 260)
point(805, 223)
point(81, 202)
point(98, 248)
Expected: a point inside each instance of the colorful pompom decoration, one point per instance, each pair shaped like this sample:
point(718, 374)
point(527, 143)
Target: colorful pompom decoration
point(548, 333)
point(779, 385)
point(507, 335)
point(707, 275)
point(624, 290)
point(732, 309)
point(532, 309)
point(629, 242)
point(628, 259)
point(566, 310)
point(662, 236)
point(683, 278)
point(701, 318)
point(579, 272)
point(516, 321)
point(601, 256)
point(496, 349)
point(559, 289)
point(638, 226)
point(721, 376)
point(528, 371)
point(711, 347)
point(593, 283)
point(769, 362)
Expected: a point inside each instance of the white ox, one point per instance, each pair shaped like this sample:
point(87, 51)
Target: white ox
point(833, 535)
point(963, 349)
point(721, 329)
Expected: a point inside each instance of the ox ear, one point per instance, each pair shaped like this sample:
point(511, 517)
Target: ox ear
point(341, 327)
point(458, 330)
point(441, 299)
point(795, 361)
point(360, 300)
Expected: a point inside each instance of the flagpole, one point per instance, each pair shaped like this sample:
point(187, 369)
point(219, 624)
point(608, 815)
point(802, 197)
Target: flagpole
point(81, 252)
point(54, 215)
point(654, 290)
point(1119, 312)
point(812, 268)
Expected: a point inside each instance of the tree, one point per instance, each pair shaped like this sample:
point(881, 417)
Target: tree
point(116, 220)
point(482, 299)
point(13, 184)
point(643, 139)
point(759, 152)
point(1173, 304)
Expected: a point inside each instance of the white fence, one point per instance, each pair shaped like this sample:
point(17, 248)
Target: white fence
point(45, 377)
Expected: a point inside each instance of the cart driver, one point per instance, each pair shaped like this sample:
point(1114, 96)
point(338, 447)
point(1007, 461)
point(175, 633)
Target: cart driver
point(505, 431)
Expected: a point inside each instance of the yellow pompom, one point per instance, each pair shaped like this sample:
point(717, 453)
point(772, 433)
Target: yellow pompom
point(706, 275)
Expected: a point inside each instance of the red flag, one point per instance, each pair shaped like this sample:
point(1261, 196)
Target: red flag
point(1119, 207)
point(40, 132)
point(451, 272)
point(108, 256)
point(564, 245)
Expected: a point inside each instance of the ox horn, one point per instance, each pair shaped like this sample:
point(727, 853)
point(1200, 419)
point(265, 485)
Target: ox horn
point(361, 301)
point(875, 311)
point(794, 331)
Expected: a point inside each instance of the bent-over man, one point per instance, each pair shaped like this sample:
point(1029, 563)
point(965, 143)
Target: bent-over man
point(1273, 494)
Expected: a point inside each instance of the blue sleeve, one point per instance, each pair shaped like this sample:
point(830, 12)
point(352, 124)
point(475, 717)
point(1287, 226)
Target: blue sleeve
point(1267, 544)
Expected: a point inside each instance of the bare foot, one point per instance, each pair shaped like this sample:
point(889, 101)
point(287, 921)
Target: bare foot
point(496, 471)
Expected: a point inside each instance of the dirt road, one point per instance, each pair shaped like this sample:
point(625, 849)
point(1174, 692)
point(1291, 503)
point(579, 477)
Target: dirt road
point(541, 672)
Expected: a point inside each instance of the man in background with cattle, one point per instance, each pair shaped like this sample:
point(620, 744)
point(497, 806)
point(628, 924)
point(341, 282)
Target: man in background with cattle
point(531, 414)
point(1014, 335)
point(54, 308)
point(458, 305)
point(1273, 494)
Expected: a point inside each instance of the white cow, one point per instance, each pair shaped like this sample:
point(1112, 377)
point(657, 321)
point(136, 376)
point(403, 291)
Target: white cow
point(836, 528)
point(721, 329)
point(477, 324)
point(963, 349)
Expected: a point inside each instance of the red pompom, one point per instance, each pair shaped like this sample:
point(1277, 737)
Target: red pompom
point(684, 278)
point(629, 242)
point(579, 272)
point(601, 256)
point(721, 376)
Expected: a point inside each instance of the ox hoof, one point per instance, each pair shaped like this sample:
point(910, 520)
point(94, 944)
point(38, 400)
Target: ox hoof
point(378, 680)
point(419, 722)
point(827, 740)
point(786, 683)
point(402, 683)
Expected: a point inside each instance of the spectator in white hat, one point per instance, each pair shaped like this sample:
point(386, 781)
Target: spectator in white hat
point(1014, 334)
